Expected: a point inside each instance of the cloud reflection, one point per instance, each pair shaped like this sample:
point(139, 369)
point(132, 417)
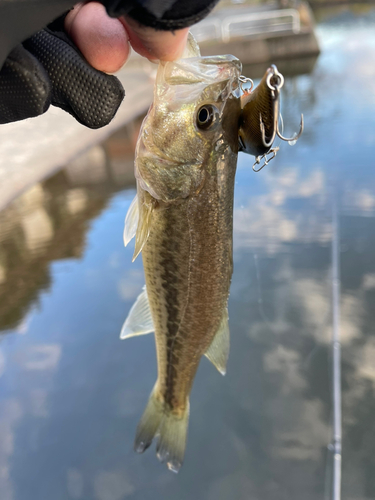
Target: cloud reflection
point(10, 414)
point(130, 284)
point(75, 483)
point(40, 357)
point(267, 221)
point(113, 485)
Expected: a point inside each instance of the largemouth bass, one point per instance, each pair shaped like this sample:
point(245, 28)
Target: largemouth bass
point(185, 166)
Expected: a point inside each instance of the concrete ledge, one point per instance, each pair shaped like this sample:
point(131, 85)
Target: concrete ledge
point(33, 149)
point(267, 47)
point(257, 50)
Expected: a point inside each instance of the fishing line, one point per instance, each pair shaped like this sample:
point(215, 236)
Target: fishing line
point(335, 446)
point(260, 294)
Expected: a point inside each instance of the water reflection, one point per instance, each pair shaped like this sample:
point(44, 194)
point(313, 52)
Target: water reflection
point(71, 393)
point(50, 221)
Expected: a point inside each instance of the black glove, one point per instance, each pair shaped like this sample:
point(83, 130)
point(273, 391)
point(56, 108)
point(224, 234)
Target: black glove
point(49, 69)
point(168, 15)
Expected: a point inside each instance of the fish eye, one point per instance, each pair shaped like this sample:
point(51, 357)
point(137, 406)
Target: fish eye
point(206, 116)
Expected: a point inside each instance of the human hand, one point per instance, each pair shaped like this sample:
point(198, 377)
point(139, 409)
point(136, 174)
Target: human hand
point(58, 73)
point(105, 41)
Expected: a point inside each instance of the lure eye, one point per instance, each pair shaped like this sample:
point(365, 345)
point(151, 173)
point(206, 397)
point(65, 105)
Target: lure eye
point(206, 116)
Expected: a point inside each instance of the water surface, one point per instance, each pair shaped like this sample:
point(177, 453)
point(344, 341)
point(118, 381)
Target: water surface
point(71, 393)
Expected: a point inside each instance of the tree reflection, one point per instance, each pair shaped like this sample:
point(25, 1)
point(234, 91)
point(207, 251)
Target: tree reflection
point(50, 221)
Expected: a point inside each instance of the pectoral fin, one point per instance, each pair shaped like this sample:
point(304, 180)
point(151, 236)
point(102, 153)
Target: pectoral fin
point(139, 320)
point(131, 221)
point(218, 351)
point(143, 229)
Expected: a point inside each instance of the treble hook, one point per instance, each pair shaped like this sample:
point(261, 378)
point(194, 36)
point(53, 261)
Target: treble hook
point(295, 137)
point(271, 152)
point(259, 121)
point(263, 131)
point(275, 91)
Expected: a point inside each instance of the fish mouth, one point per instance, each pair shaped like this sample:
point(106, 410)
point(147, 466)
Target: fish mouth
point(260, 118)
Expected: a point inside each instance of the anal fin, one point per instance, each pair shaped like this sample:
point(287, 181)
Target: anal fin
point(139, 320)
point(218, 351)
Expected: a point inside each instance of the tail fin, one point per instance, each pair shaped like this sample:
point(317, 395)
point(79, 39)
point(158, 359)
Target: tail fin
point(171, 430)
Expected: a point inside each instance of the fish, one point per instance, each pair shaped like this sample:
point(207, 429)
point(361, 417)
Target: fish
point(182, 220)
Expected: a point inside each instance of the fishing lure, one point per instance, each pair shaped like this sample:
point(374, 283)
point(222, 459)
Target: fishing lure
point(260, 117)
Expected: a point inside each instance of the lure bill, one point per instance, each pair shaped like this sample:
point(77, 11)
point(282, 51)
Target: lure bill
point(182, 220)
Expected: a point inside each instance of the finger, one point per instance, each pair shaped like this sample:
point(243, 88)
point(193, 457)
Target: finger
point(91, 96)
point(155, 44)
point(102, 40)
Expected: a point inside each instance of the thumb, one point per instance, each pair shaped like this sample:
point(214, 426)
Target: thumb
point(155, 44)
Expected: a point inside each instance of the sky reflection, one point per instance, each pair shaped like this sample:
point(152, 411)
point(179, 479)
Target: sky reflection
point(71, 392)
